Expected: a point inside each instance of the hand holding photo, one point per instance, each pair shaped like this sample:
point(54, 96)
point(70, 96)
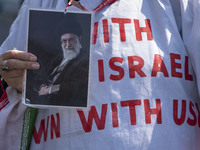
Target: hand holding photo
point(61, 43)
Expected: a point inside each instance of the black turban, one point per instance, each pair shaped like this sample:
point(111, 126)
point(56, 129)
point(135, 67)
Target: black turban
point(68, 25)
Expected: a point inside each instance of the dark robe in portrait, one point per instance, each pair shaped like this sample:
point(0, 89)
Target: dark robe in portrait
point(72, 81)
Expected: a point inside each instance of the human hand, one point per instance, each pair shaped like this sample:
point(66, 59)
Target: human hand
point(17, 62)
point(44, 90)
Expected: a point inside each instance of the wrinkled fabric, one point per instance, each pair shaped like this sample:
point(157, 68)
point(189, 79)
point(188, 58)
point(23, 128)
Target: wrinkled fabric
point(190, 26)
point(148, 98)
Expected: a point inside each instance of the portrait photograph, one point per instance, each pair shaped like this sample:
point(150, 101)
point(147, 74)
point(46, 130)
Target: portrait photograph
point(61, 42)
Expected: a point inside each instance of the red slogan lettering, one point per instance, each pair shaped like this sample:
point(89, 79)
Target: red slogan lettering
point(136, 64)
point(122, 22)
point(44, 129)
point(100, 117)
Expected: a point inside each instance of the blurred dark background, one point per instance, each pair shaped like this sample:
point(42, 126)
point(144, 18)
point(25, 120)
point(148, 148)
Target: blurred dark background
point(8, 12)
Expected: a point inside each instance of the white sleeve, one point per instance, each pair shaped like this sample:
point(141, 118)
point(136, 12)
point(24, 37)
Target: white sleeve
point(190, 12)
point(11, 121)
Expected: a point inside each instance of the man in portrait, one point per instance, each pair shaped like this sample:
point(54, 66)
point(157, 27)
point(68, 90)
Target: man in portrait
point(67, 83)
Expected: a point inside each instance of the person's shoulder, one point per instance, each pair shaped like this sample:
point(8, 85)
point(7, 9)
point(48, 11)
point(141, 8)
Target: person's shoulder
point(54, 62)
point(82, 59)
point(84, 54)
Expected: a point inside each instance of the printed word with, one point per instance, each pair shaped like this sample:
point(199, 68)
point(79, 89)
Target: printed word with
point(122, 22)
point(132, 104)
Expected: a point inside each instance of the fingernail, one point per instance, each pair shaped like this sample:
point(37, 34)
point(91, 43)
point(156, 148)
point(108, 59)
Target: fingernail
point(35, 66)
point(32, 58)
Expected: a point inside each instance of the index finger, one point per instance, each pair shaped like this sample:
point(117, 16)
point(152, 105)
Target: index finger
point(14, 64)
point(21, 55)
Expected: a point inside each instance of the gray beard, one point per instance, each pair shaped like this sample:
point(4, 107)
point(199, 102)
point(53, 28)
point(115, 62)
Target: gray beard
point(69, 55)
point(72, 53)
